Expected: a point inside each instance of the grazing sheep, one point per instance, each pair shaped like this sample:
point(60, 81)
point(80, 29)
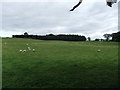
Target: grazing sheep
point(29, 48)
point(33, 50)
point(27, 44)
point(98, 50)
point(24, 50)
point(20, 50)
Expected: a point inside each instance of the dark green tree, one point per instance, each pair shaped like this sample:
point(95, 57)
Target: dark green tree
point(25, 33)
point(116, 37)
point(107, 36)
point(89, 39)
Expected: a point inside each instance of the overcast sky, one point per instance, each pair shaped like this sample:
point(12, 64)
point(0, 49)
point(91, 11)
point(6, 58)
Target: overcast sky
point(92, 19)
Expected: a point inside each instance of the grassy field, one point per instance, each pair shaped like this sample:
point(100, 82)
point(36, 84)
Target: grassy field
point(59, 64)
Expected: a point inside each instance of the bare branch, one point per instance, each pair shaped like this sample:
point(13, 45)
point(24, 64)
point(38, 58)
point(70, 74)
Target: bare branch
point(76, 5)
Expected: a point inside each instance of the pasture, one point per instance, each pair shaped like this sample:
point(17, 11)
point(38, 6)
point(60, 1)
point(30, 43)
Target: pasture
point(59, 64)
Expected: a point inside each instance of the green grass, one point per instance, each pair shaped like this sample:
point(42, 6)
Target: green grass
point(59, 64)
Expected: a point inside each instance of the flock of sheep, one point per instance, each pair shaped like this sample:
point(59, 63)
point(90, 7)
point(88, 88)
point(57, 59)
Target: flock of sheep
point(28, 49)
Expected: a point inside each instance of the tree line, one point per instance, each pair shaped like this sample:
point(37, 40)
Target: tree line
point(114, 37)
point(52, 37)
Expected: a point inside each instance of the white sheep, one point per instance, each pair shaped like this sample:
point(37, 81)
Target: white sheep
point(27, 44)
point(29, 48)
point(98, 50)
point(20, 50)
point(24, 50)
point(33, 50)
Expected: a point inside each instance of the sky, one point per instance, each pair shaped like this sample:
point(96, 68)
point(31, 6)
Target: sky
point(92, 18)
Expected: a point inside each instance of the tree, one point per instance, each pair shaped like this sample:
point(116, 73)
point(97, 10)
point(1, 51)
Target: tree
point(89, 39)
point(116, 37)
point(50, 35)
point(53, 37)
point(107, 36)
point(97, 39)
point(25, 33)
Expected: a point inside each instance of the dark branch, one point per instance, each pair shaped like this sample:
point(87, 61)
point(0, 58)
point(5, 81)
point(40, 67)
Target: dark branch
point(75, 6)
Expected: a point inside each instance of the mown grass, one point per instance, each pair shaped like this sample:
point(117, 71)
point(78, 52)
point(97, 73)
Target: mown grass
point(59, 64)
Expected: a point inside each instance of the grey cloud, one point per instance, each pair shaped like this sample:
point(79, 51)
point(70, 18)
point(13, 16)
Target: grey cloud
point(54, 17)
